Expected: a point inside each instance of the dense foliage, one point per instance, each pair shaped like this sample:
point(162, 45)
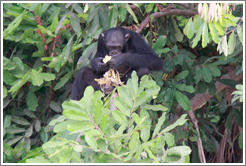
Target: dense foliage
point(45, 44)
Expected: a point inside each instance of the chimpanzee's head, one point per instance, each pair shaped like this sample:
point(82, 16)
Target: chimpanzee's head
point(115, 41)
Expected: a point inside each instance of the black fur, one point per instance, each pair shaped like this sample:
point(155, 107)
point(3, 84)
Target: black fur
point(131, 53)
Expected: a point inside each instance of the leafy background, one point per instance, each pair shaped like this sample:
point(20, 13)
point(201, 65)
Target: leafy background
point(45, 44)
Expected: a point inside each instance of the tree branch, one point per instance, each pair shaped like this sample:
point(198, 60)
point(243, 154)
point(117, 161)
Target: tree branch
point(198, 101)
point(165, 13)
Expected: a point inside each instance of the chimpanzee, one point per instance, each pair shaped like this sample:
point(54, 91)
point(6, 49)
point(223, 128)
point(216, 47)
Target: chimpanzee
point(129, 52)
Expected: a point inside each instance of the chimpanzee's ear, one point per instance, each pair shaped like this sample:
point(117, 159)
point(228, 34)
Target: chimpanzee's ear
point(127, 36)
point(103, 35)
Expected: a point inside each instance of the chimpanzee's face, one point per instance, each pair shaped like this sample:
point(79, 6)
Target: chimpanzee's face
point(115, 41)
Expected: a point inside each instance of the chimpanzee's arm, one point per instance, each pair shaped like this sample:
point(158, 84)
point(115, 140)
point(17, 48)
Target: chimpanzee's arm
point(134, 60)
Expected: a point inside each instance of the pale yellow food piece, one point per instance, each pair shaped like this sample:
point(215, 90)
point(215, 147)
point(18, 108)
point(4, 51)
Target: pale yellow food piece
point(106, 59)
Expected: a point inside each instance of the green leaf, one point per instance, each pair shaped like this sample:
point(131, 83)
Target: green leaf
point(198, 74)
point(36, 78)
point(181, 75)
point(73, 105)
point(5, 91)
point(197, 22)
point(187, 88)
point(120, 117)
point(231, 43)
point(104, 17)
point(122, 14)
point(75, 23)
point(151, 155)
point(53, 144)
point(29, 132)
point(43, 135)
point(134, 142)
point(63, 81)
point(132, 84)
point(48, 76)
point(160, 42)
point(7, 121)
point(76, 115)
point(32, 101)
point(240, 33)
point(159, 124)
point(38, 159)
point(122, 106)
point(62, 126)
point(229, 82)
point(19, 83)
point(207, 76)
point(59, 25)
point(20, 120)
point(113, 17)
point(145, 131)
point(162, 51)
point(18, 63)
point(80, 126)
point(14, 130)
point(155, 107)
point(178, 34)
point(55, 106)
point(90, 51)
point(213, 32)
point(91, 141)
point(37, 125)
point(177, 154)
point(183, 100)
point(12, 26)
point(129, 9)
point(68, 50)
point(181, 121)
point(54, 24)
point(60, 118)
point(205, 39)
point(220, 30)
point(197, 38)
point(215, 71)
point(189, 29)
point(149, 7)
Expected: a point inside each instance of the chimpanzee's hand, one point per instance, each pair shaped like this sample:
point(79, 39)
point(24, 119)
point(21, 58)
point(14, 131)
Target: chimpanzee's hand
point(117, 60)
point(99, 65)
